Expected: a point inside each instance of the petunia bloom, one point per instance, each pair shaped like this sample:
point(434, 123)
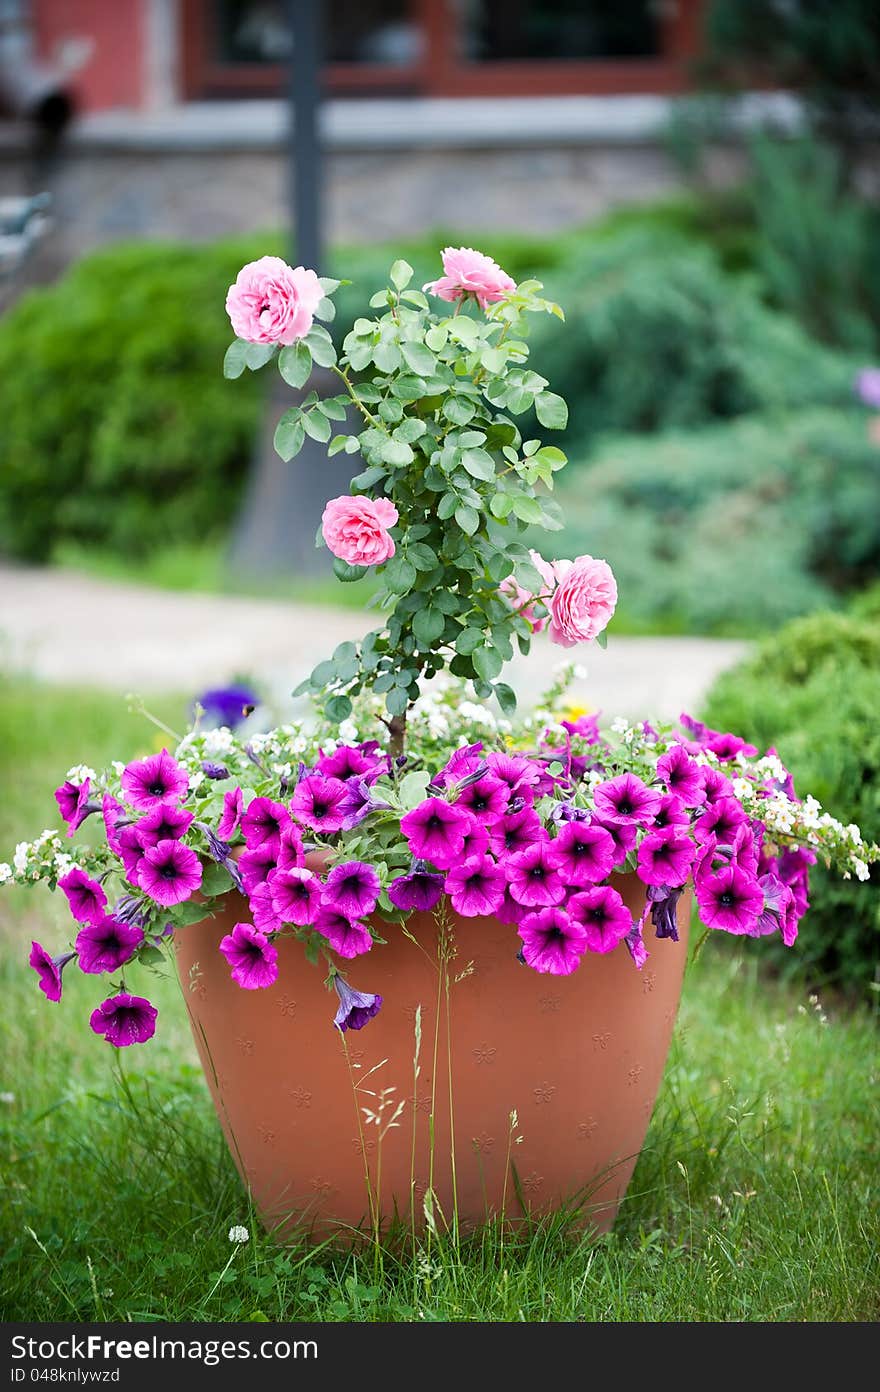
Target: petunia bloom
point(85, 896)
point(485, 798)
point(469, 273)
point(352, 888)
point(125, 1020)
point(623, 835)
point(73, 803)
point(715, 785)
point(584, 853)
point(730, 900)
point(295, 895)
point(230, 821)
point(552, 941)
point(162, 823)
point(49, 969)
point(664, 909)
point(263, 823)
point(682, 776)
point(603, 916)
point(721, 819)
point(533, 877)
point(345, 937)
point(318, 803)
point(113, 813)
point(476, 887)
point(418, 891)
point(671, 813)
point(356, 1008)
point(149, 782)
point(251, 956)
point(515, 832)
point(435, 831)
point(665, 858)
point(106, 945)
point(626, 799)
point(169, 873)
point(256, 866)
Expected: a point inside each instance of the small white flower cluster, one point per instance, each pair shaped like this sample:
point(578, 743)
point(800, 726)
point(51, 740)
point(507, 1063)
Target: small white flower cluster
point(45, 858)
point(239, 1234)
point(80, 772)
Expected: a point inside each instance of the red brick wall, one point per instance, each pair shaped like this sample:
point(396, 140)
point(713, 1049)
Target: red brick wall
point(113, 74)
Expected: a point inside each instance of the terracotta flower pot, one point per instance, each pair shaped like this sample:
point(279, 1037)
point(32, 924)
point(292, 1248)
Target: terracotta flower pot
point(578, 1058)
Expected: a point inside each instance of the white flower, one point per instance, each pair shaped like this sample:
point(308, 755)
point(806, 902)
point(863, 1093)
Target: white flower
point(239, 1234)
point(118, 767)
point(283, 770)
point(196, 779)
point(579, 672)
point(854, 834)
point(299, 745)
point(861, 869)
point(79, 773)
point(219, 741)
point(20, 859)
point(620, 725)
point(5, 873)
point(742, 788)
point(348, 732)
point(63, 862)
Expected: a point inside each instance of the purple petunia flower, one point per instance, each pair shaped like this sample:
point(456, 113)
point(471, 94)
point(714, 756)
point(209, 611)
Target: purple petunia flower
point(49, 969)
point(682, 776)
point(148, 782)
point(263, 823)
point(520, 773)
point(867, 387)
point(113, 813)
point(359, 802)
point(130, 852)
point(352, 888)
point(125, 1020)
point(350, 761)
point(435, 831)
point(227, 705)
point(552, 942)
point(476, 887)
point(217, 772)
point(533, 877)
point(318, 803)
point(347, 938)
point(486, 799)
point(107, 945)
point(418, 891)
point(356, 1008)
point(463, 764)
point(295, 895)
point(665, 858)
point(476, 841)
point(626, 799)
point(73, 803)
point(253, 959)
point(263, 910)
point(169, 873)
point(162, 823)
point(721, 819)
point(85, 896)
point(291, 852)
point(671, 813)
point(731, 900)
point(664, 910)
point(715, 785)
point(586, 727)
point(623, 834)
point(603, 916)
point(635, 945)
point(727, 746)
point(515, 832)
point(778, 900)
point(256, 866)
point(583, 853)
point(233, 806)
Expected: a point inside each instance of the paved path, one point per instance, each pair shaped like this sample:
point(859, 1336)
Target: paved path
point(63, 627)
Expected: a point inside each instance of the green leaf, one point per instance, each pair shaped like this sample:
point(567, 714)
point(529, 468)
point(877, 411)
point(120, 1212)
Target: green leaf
point(320, 345)
point(401, 274)
point(487, 662)
point(234, 361)
point(216, 879)
point(338, 708)
point(552, 516)
point(396, 452)
point(399, 574)
point(436, 338)
point(334, 407)
point(408, 387)
point(369, 476)
point(316, 424)
point(412, 788)
point(419, 358)
point(397, 701)
point(427, 626)
point(422, 557)
point(459, 409)
point(529, 577)
point(506, 697)
point(290, 434)
point(324, 672)
point(447, 505)
point(386, 356)
point(602, 638)
point(549, 454)
point(469, 640)
point(347, 573)
point(551, 410)
point(328, 285)
point(258, 354)
point(527, 508)
point(295, 364)
point(501, 505)
point(467, 518)
point(415, 297)
point(479, 464)
point(410, 429)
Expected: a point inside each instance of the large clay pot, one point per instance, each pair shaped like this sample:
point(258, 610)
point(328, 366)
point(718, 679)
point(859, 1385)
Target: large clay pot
point(579, 1059)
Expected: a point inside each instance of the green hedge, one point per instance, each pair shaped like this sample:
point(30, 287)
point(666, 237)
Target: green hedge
point(735, 527)
point(813, 691)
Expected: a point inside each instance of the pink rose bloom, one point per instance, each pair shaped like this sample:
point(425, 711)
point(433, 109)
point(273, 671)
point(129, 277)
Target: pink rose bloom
point(469, 272)
point(356, 529)
point(272, 302)
point(584, 600)
point(523, 600)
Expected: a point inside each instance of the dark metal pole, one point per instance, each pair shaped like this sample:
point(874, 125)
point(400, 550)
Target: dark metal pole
point(306, 24)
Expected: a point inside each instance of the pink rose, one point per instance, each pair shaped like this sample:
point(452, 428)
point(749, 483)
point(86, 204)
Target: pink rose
point(356, 529)
point(272, 302)
point(524, 600)
point(584, 600)
point(469, 272)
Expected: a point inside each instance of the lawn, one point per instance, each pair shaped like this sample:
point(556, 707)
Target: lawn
point(755, 1197)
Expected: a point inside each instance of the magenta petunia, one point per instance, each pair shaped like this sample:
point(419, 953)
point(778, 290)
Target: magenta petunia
point(435, 831)
point(251, 956)
point(476, 887)
point(169, 873)
point(351, 761)
point(515, 832)
point(73, 803)
point(664, 909)
point(721, 819)
point(356, 1008)
point(476, 841)
point(85, 896)
point(584, 853)
point(352, 888)
point(295, 895)
point(263, 823)
point(727, 746)
point(418, 891)
point(291, 852)
point(49, 969)
point(125, 1020)
point(623, 834)
point(148, 782)
point(603, 916)
point(635, 945)
point(256, 866)
point(113, 813)
point(665, 858)
point(107, 945)
point(230, 821)
point(682, 776)
point(671, 813)
point(520, 773)
point(263, 911)
point(730, 900)
point(778, 901)
point(319, 803)
point(486, 799)
point(130, 852)
point(347, 938)
point(626, 799)
point(715, 785)
point(552, 941)
point(162, 823)
point(533, 877)
point(464, 763)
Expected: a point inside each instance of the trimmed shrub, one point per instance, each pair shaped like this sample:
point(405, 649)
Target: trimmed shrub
point(813, 692)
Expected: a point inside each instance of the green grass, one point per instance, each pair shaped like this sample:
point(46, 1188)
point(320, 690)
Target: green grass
point(754, 1199)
